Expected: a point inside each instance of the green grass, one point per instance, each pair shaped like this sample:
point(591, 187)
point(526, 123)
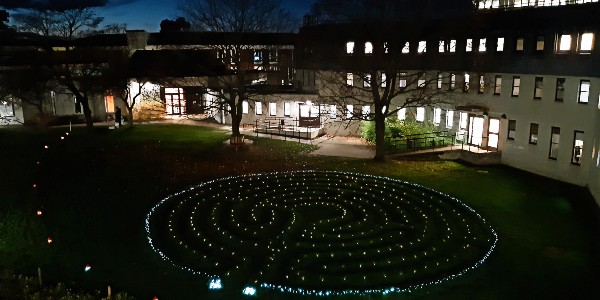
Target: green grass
point(96, 188)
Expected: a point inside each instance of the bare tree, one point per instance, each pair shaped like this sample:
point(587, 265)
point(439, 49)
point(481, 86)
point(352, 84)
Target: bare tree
point(131, 93)
point(237, 16)
point(30, 86)
point(67, 23)
point(380, 88)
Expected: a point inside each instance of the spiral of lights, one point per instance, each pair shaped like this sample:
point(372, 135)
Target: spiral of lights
point(319, 233)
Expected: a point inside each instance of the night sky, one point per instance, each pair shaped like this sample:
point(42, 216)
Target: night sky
point(147, 14)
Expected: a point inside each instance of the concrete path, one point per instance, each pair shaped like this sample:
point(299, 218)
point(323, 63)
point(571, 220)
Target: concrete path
point(344, 147)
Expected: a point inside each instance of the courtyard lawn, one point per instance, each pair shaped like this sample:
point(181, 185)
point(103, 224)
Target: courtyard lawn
point(95, 189)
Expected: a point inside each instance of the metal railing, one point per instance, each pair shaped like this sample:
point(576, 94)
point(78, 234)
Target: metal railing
point(436, 140)
point(284, 127)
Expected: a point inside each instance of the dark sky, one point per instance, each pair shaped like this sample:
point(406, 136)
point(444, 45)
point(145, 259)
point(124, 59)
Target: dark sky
point(140, 14)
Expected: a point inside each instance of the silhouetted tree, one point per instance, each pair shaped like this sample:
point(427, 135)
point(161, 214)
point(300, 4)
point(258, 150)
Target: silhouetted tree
point(177, 25)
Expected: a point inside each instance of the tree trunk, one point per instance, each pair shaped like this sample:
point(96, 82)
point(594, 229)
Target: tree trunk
point(379, 137)
point(236, 120)
point(87, 112)
point(130, 112)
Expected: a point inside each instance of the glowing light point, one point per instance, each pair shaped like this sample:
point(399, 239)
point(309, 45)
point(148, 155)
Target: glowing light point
point(46, 147)
point(34, 185)
point(87, 267)
point(155, 298)
point(62, 137)
point(215, 284)
point(249, 291)
point(38, 212)
point(49, 240)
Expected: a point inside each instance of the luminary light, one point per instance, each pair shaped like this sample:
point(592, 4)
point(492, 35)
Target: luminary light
point(249, 291)
point(215, 284)
point(38, 212)
point(49, 240)
point(87, 268)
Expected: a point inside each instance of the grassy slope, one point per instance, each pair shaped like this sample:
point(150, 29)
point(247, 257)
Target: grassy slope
point(96, 189)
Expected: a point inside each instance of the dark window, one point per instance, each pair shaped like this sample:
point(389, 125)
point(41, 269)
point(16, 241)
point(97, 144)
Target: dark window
point(533, 133)
point(537, 92)
point(497, 85)
point(554, 141)
point(577, 148)
point(512, 127)
point(560, 89)
point(516, 86)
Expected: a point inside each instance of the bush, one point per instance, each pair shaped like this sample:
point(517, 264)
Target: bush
point(396, 128)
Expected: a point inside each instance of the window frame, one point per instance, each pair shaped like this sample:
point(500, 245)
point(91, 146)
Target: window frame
point(258, 108)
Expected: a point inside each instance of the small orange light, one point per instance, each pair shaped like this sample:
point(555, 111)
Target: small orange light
point(49, 240)
point(34, 185)
point(38, 212)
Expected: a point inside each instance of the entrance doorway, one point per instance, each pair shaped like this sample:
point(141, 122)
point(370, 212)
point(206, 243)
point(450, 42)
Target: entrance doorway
point(475, 130)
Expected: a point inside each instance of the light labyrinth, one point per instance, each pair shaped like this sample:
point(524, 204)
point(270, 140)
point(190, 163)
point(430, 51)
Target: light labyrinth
point(320, 233)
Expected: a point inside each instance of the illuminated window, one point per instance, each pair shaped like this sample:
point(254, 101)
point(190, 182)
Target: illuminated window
point(533, 133)
point(367, 80)
point(512, 128)
point(442, 47)
point(584, 91)
point(564, 44)
point(452, 47)
point(469, 45)
point(258, 56)
point(350, 79)
point(586, 43)
point(500, 44)
point(421, 83)
point(482, 46)
point(452, 81)
point(420, 117)
point(109, 104)
point(175, 101)
point(466, 83)
point(287, 109)
point(537, 91)
point(497, 84)
point(272, 109)
point(7, 108)
point(554, 143)
point(406, 48)
point(463, 120)
point(449, 119)
point(422, 47)
point(516, 86)
point(366, 110)
point(332, 111)
point(349, 111)
point(258, 108)
point(386, 49)
point(519, 44)
point(437, 115)
point(481, 84)
point(402, 80)
point(560, 89)
point(244, 107)
point(439, 80)
point(368, 48)
point(539, 44)
point(401, 114)
point(349, 47)
point(383, 80)
point(577, 148)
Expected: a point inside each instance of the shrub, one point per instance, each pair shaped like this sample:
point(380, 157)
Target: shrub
point(396, 128)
